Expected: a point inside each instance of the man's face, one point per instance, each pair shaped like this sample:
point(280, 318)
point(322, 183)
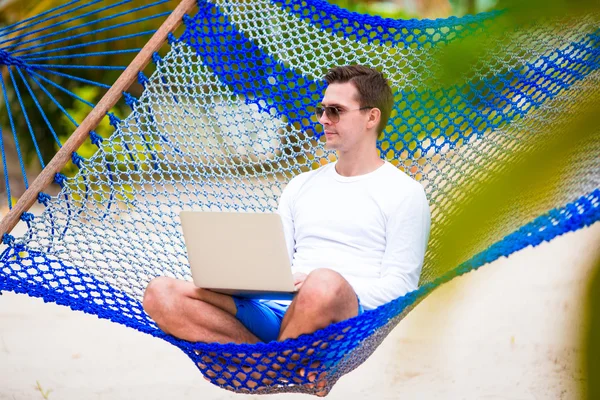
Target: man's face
point(351, 129)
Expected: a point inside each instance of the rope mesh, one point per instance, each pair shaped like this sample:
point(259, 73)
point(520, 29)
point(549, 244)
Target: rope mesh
point(226, 121)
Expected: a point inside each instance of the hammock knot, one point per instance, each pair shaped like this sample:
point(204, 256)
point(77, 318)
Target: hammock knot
point(7, 59)
point(171, 38)
point(156, 59)
point(142, 79)
point(60, 179)
point(8, 239)
point(43, 198)
point(76, 159)
point(27, 217)
point(114, 120)
point(95, 138)
point(130, 100)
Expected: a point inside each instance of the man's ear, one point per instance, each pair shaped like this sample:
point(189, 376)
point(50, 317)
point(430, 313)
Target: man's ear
point(374, 118)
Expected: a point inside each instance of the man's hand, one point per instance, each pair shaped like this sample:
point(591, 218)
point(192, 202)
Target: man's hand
point(299, 278)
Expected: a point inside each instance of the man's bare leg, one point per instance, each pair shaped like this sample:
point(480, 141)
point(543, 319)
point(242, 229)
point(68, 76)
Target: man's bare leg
point(325, 297)
point(181, 309)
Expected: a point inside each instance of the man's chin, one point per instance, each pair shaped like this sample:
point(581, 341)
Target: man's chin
point(330, 145)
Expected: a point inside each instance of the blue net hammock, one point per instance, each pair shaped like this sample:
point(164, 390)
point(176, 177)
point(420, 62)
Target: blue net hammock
point(225, 121)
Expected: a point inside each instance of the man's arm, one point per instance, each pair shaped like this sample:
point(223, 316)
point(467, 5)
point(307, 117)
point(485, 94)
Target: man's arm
point(407, 233)
point(285, 212)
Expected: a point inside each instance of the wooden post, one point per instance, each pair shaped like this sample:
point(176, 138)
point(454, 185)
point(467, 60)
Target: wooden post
point(95, 116)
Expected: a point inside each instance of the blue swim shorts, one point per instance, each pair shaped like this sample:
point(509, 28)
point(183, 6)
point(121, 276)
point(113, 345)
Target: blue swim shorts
point(263, 317)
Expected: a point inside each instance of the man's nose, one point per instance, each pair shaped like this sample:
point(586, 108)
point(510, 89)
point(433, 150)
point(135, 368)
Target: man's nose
point(324, 120)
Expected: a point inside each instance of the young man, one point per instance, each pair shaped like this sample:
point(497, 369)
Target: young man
point(356, 232)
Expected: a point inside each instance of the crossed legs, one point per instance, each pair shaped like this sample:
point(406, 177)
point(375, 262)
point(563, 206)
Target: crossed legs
point(198, 315)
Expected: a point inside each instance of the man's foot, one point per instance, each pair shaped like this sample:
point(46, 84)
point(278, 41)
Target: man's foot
point(313, 375)
point(321, 384)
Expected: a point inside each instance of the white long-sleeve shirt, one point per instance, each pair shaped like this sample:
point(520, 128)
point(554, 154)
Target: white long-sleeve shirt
point(372, 229)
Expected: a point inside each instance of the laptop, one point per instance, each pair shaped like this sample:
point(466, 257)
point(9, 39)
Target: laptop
point(236, 253)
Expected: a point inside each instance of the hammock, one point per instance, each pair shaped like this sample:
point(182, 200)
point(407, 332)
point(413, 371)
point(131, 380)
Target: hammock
point(225, 121)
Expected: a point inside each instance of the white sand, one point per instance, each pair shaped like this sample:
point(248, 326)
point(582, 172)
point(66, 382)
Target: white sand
point(512, 330)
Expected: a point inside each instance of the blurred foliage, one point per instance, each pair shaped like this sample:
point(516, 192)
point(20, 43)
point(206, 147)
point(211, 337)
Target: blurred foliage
point(460, 55)
point(553, 156)
point(486, 204)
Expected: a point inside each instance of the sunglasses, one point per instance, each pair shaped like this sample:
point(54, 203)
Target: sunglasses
point(333, 113)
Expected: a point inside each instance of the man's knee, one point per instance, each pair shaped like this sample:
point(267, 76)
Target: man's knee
point(324, 290)
point(157, 295)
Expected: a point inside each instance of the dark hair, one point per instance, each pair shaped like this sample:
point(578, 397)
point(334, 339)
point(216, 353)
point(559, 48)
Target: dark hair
point(373, 88)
